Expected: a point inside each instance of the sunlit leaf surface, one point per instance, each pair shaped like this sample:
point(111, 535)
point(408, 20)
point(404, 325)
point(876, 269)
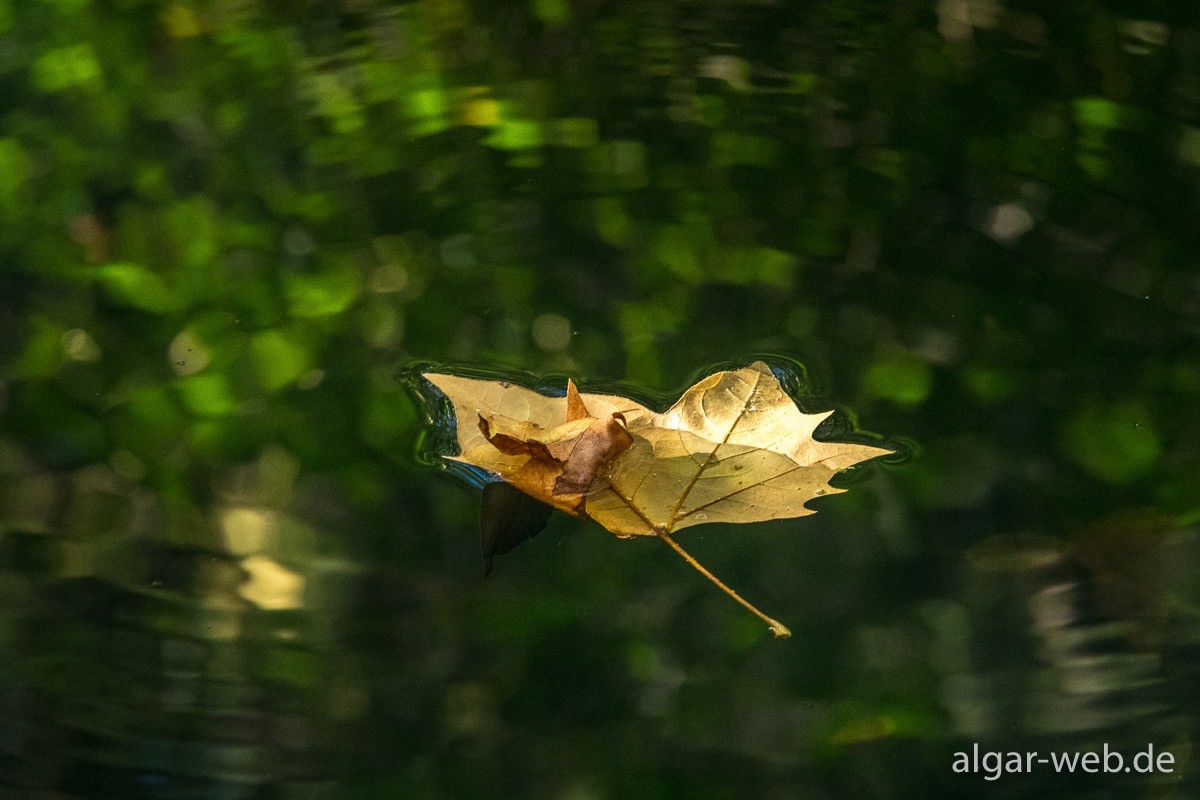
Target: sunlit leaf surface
point(733, 448)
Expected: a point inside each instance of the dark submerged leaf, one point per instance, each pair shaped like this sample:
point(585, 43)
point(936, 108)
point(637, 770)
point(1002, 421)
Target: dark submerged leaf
point(507, 517)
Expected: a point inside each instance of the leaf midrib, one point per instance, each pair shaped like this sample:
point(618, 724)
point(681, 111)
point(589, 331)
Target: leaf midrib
point(712, 454)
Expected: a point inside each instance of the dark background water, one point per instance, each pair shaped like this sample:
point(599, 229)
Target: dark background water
point(228, 226)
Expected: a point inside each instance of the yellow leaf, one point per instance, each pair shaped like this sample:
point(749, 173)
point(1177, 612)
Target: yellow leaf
point(733, 448)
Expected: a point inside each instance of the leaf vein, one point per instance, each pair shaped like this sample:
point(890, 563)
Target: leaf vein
point(712, 454)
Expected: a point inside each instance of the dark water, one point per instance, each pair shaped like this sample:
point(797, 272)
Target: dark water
point(229, 567)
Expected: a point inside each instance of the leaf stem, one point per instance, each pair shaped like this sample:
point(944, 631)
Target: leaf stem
point(778, 628)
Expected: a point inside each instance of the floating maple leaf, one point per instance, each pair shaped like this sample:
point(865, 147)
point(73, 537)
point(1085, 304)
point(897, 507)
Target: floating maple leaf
point(733, 448)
